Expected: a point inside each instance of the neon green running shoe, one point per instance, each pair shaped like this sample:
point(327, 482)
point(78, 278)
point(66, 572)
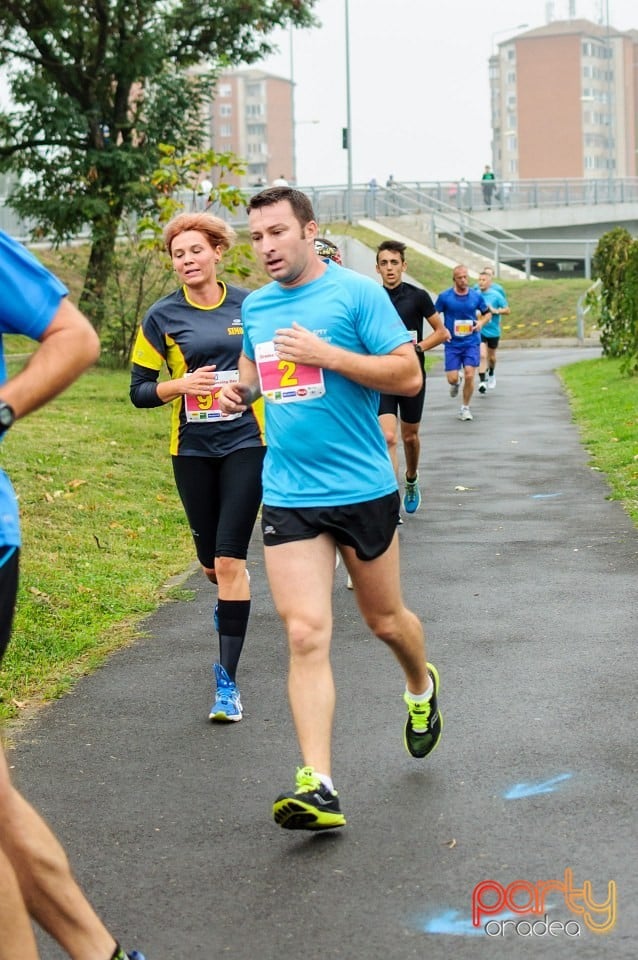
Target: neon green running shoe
point(425, 723)
point(311, 807)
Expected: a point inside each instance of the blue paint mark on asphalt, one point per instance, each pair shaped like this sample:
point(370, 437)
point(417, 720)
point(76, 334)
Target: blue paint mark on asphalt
point(520, 790)
point(546, 496)
point(453, 923)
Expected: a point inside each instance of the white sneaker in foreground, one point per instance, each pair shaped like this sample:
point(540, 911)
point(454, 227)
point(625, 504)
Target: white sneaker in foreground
point(465, 414)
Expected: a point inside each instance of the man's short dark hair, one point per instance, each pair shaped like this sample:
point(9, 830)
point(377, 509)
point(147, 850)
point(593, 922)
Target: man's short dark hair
point(394, 246)
point(300, 203)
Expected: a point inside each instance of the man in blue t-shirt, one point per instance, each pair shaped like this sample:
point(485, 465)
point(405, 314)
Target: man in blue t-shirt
point(494, 296)
point(464, 314)
point(35, 878)
point(320, 342)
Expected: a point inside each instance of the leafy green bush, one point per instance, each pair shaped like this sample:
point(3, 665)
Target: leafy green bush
point(616, 263)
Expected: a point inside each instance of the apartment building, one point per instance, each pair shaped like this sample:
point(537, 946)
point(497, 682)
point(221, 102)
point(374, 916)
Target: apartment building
point(564, 102)
point(252, 116)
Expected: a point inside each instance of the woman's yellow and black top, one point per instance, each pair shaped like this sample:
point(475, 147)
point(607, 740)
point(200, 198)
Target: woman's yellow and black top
point(185, 336)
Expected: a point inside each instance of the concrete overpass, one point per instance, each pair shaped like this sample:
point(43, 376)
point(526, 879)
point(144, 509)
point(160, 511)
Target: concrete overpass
point(540, 226)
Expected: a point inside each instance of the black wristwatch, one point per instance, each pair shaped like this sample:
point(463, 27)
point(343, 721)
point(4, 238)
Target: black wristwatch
point(418, 348)
point(7, 416)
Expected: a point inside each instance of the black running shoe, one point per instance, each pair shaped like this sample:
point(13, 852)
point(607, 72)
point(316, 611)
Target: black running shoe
point(311, 807)
point(425, 723)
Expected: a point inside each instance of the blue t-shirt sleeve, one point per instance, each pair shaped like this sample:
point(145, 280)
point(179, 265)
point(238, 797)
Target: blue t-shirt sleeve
point(379, 325)
point(247, 346)
point(30, 294)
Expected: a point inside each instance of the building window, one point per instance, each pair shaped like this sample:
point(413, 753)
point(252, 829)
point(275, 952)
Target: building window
point(255, 110)
point(254, 90)
point(225, 130)
point(511, 77)
point(224, 90)
point(225, 109)
point(512, 143)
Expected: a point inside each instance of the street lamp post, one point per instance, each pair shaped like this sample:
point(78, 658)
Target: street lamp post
point(611, 151)
point(348, 118)
point(292, 111)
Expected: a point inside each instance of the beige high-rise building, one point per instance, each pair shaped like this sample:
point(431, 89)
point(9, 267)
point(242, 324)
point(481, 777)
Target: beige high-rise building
point(252, 117)
point(564, 101)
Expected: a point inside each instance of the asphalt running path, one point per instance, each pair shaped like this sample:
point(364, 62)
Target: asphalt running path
point(525, 574)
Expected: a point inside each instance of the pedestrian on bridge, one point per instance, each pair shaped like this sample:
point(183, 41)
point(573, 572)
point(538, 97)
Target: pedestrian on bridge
point(488, 183)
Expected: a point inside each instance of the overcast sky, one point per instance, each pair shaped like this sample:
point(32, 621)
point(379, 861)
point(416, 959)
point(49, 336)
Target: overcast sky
point(419, 87)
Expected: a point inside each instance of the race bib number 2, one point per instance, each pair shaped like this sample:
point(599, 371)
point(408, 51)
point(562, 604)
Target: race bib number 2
point(205, 408)
point(283, 381)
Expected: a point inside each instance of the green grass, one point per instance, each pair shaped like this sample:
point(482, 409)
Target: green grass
point(605, 407)
point(540, 308)
point(103, 530)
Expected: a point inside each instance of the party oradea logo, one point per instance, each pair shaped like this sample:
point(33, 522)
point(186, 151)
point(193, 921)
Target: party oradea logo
point(490, 899)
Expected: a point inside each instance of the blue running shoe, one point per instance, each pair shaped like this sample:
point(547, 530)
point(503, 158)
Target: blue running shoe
point(216, 617)
point(135, 955)
point(412, 495)
point(227, 706)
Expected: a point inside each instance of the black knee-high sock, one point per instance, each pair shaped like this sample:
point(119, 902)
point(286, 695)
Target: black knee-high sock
point(233, 623)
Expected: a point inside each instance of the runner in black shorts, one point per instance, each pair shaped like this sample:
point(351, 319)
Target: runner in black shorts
point(368, 527)
point(320, 343)
point(197, 332)
point(413, 305)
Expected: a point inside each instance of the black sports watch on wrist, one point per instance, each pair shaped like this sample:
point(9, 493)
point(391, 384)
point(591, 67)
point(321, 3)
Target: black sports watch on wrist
point(418, 348)
point(7, 416)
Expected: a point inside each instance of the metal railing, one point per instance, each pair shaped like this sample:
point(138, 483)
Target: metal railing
point(453, 208)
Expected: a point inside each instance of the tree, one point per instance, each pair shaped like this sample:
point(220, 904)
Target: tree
point(141, 271)
point(97, 85)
